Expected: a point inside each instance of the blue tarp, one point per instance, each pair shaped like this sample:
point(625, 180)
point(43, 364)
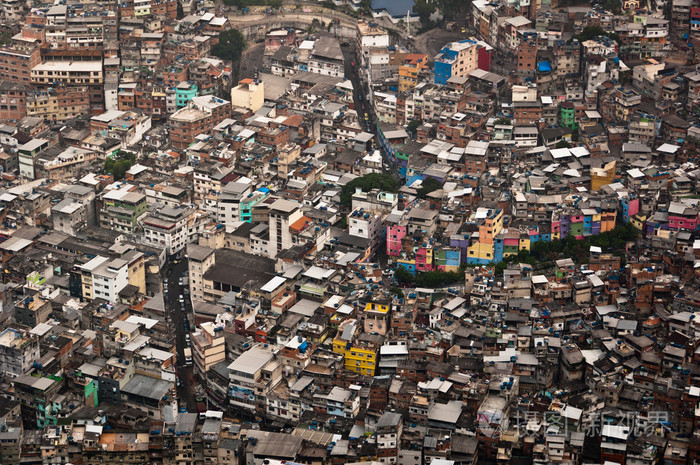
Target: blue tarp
point(396, 8)
point(544, 66)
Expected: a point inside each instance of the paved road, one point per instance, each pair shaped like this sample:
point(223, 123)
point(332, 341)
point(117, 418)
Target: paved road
point(307, 18)
point(174, 311)
point(362, 104)
point(430, 42)
point(252, 60)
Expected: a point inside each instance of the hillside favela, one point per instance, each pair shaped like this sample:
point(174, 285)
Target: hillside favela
point(349, 232)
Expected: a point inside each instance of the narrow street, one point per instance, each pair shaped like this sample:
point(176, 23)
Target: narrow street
point(363, 106)
point(174, 271)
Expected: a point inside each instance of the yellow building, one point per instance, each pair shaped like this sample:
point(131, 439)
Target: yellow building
point(358, 357)
point(248, 94)
point(492, 225)
point(410, 66)
point(142, 8)
point(608, 221)
point(137, 269)
point(378, 307)
point(524, 243)
point(376, 316)
point(52, 106)
point(638, 221)
point(480, 251)
point(602, 176)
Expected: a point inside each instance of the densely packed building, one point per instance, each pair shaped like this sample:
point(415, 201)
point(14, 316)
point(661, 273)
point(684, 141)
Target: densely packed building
point(357, 249)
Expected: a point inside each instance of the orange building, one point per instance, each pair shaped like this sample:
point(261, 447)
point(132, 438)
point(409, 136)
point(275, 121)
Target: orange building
point(410, 66)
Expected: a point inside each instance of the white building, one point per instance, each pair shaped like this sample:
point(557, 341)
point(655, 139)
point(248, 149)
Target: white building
point(368, 225)
point(251, 376)
point(104, 278)
point(229, 207)
point(208, 347)
point(327, 57)
point(18, 352)
point(171, 228)
point(283, 213)
point(371, 35)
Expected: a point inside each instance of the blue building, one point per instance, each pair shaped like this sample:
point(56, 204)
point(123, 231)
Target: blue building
point(455, 59)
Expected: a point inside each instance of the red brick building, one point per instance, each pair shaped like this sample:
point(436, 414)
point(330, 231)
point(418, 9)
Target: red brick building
point(13, 104)
point(17, 62)
point(199, 117)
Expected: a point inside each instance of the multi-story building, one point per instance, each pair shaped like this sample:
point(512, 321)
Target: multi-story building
point(184, 92)
point(248, 94)
point(208, 347)
point(650, 78)
point(170, 228)
point(410, 66)
point(455, 59)
point(200, 260)
point(13, 103)
point(58, 104)
point(17, 62)
point(37, 394)
point(389, 430)
point(327, 58)
point(103, 278)
point(18, 352)
point(69, 216)
point(122, 210)
point(229, 204)
point(283, 213)
point(84, 74)
point(199, 117)
point(210, 177)
point(28, 154)
point(367, 225)
point(358, 355)
point(252, 376)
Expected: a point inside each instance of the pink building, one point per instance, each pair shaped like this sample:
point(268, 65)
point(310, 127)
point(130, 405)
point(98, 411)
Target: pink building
point(681, 216)
point(511, 242)
point(424, 259)
point(682, 222)
point(394, 234)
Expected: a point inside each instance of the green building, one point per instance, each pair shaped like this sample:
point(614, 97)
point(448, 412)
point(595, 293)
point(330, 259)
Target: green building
point(184, 92)
point(567, 115)
point(121, 210)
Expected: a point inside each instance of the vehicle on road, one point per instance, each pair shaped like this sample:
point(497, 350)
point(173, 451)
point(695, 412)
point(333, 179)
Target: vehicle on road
point(188, 356)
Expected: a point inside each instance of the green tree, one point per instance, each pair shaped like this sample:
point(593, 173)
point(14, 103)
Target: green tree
point(613, 6)
point(366, 183)
point(403, 276)
point(591, 32)
point(427, 186)
point(424, 9)
point(397, 291)
point(315, 26)
point(230, 47)
point(562, 144)
point(412, 126)
point(119, 164)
